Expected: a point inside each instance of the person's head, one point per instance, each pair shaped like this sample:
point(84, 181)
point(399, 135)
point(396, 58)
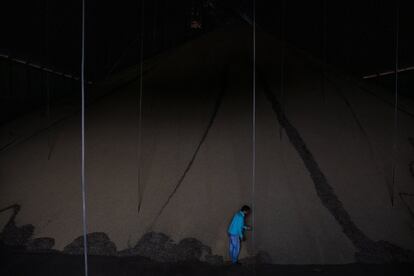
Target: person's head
point(245, 209)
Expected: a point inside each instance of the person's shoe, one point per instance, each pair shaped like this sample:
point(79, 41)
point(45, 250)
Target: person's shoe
point(237, 263)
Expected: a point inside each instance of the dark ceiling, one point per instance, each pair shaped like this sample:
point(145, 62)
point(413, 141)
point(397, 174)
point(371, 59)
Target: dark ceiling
point(356, 36)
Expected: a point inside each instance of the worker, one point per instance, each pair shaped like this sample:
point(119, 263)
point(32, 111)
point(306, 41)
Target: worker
point(236, 232)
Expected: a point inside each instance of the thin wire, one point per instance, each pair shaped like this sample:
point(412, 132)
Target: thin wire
point(46, 75)
point(325, 47)
point(46, 45)
point(49, 119)
point(395, 146)
point(11, 78)
point(282, 63)
point(85, 239)
point(254, 125)
point(139, 152)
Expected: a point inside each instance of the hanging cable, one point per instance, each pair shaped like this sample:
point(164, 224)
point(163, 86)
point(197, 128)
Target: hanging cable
point(139, 150)
point(48, 91)
point(324, 48)
point(395, 132)
point(49, 118)
point(83, 183)
point(282, 62)
point(46, 78)
point(254, 124)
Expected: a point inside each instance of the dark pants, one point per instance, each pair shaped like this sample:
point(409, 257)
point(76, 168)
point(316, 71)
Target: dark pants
point(234, 247)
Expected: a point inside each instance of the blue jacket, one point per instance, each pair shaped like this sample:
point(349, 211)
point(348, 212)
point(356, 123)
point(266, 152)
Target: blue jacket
point(236, 227)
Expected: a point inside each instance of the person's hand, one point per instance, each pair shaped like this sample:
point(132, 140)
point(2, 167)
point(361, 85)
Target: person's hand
point(248, 227)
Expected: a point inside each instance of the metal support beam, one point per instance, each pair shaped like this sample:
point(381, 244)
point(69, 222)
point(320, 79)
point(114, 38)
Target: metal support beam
point(40, 67)
point(386, 73)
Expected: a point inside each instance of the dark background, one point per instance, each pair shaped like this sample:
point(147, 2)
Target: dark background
point(358, 37)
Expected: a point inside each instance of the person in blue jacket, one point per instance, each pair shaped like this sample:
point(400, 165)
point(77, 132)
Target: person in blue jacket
point(236, 232)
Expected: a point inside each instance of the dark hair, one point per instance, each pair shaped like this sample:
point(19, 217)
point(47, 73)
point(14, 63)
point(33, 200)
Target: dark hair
point(245, 208)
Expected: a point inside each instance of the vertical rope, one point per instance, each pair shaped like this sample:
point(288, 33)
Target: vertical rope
point(254, 125)
point(10, 78)
point(83, 183)
point(395, 134)
point(46, 58)
point(155, 25)
point(324, 49)
point(49, 119)
point(282, 62)
point(139, 151)
point(28, 83)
